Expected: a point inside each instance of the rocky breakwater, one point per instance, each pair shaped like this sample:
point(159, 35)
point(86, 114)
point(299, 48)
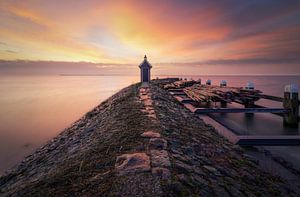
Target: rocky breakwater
point(140, 142)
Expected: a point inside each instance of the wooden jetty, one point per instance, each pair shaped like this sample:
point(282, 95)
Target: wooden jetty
point(251, 140)
point(180, 84)
point(239, 110)
point(193, 94)
point(208, 93)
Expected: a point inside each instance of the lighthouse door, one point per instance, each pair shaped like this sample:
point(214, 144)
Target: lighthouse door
point(145, 75)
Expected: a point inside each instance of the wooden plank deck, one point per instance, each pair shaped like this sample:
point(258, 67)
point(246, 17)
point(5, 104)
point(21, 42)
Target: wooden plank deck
point(239, 110)
point(227, 133)
point(251, 140)
point(196, 110)
point(177, 93)
point(176, 90)
point(273, 98)
point(183, 100)
point(269, 97)
point(286, 140)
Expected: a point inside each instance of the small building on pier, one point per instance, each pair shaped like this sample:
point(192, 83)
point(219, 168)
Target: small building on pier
point(145, 68)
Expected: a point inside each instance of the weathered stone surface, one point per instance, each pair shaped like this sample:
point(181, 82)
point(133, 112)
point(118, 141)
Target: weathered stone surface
point(157, 143)
point(160, 158)
point(198, 180)
point(176, 188)
point(153, 116)
point(182, 167)
point(198, 170)
point(250, 158)
point(210, 168)
point(181, 157)
point(149, 109)
point(131, 163)
point(184, 179)
point(163, 173)
point(145, 97)
point(150, 134)
point(148, 102)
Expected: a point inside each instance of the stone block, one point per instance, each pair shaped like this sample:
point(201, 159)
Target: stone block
point(160, 158)
point(132, 163)
point(157, 144)
point(150, 134)
point(163, 173)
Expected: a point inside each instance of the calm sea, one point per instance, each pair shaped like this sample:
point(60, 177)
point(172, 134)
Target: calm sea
point(34, 109)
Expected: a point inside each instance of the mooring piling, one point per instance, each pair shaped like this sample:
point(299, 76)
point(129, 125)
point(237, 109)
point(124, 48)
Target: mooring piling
point(290, 101)
point(199, 81)
point(208, 82)
point(250, 86)
point(223, 102)
point(249, 103)
point(223, 83)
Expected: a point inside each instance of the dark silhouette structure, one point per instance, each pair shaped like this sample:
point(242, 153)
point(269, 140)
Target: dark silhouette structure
point(145, 67)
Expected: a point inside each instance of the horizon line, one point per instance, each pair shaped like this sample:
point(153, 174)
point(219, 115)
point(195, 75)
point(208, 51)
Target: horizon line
point(205, 62)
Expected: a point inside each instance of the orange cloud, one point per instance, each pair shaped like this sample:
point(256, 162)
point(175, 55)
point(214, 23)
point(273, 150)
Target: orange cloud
point(122, 31)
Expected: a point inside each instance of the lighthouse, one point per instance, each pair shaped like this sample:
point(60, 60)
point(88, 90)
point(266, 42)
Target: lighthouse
point(145, 68)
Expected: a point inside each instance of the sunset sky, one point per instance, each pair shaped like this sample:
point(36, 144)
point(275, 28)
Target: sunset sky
point(200, 32)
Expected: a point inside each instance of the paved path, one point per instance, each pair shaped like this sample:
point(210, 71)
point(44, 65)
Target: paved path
point(156, 157)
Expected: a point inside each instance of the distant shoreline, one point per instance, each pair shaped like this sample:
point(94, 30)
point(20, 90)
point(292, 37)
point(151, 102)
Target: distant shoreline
point(256, 75)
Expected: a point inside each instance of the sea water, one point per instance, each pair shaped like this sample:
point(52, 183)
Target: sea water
point(34, 109)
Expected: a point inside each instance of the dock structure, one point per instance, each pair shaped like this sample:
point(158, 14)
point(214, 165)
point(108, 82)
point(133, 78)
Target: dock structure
point(210, 93)
point(199, 99)
point(177, 85)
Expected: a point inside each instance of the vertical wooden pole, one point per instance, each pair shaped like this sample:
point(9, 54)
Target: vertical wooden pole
point(291, 102)
point(223, 83)
point(250, 86)
point(223, 104)
point(249, 104)
point(208, 82)
point(199, 81)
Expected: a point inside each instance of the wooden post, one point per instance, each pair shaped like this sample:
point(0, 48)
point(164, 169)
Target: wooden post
point(249, 104)
point(290, 101)
point(199, 81)
point(208, 82)
point(250, 86)
point(223, 104)
point(223, 83)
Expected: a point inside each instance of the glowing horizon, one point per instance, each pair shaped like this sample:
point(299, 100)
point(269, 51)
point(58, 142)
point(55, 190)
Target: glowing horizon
point(167, 31)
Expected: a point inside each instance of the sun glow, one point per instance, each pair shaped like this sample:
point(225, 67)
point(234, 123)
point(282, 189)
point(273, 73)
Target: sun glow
point(122, 32)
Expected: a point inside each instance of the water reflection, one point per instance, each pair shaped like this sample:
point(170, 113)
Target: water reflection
point(34, 109)
point(255, 123)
